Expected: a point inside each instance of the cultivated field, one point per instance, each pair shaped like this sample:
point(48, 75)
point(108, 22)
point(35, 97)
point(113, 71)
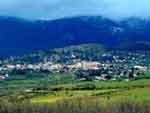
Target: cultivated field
point(79, 97)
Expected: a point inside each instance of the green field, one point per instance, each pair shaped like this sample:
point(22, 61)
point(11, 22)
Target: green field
point(138, 91)
point(40, 91)
point(32, 95)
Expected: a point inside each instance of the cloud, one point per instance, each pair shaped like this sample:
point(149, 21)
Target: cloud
point(52, 9)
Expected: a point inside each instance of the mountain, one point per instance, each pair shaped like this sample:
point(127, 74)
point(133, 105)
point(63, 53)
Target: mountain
point(19, 36)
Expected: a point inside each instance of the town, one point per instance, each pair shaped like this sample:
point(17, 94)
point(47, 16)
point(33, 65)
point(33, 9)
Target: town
point(84, 70)
point(86, 62)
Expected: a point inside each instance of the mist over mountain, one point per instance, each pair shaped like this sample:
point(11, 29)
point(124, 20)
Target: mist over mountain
point(54, 9)
point(20, 36)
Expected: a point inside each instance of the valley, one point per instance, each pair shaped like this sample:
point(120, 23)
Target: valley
point(84, 76)
point(75, 65)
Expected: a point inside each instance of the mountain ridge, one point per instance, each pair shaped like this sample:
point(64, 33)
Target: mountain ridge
point(19, 36)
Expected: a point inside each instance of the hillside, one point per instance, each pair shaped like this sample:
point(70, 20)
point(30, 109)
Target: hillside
point(83, 51)
point(139, 45)
point(19, 36)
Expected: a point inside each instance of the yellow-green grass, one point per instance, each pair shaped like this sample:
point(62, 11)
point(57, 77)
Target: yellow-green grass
point(49, 98)
point(138, 94)
point(104, 92)
point(46, 99)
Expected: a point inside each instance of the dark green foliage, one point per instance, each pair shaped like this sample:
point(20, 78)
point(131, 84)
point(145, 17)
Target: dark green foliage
point(144, 75)
point(57, 78)
point(63, 55)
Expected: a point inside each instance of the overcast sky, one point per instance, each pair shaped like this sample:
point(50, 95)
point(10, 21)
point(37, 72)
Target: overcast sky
point(52, 9)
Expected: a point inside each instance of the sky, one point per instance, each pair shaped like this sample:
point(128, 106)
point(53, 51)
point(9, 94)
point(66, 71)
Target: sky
point(53, 9)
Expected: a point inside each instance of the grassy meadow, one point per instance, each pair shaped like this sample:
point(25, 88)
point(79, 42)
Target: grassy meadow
point(138, 91)
point(42, 96)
